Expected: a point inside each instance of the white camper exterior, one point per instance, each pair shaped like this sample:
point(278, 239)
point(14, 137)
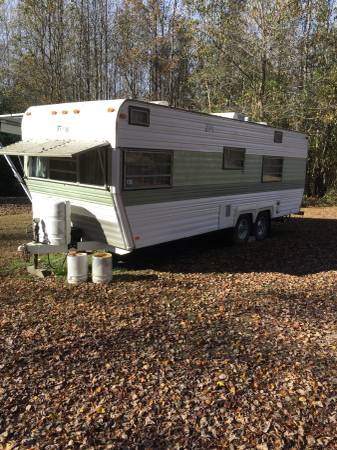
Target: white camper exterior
point(138, 174)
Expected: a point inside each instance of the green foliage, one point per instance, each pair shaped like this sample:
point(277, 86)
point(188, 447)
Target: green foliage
point(274, 60)
point(328, 199)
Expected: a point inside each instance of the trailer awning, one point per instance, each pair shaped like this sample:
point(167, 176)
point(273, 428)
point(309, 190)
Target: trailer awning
point(61, 149)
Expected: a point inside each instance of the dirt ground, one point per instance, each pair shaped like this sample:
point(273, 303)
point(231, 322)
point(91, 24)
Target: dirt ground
point(194, 344)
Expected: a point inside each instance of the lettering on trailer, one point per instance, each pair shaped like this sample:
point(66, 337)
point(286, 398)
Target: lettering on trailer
point(209, 128)
point(62, 129)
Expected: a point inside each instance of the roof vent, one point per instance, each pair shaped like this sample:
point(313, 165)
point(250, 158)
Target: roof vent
point(231, 115)
point(160, 102)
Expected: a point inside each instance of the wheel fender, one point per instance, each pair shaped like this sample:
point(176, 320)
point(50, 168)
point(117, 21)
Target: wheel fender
point(253, 210)
point(264, 210)
point(241, 212)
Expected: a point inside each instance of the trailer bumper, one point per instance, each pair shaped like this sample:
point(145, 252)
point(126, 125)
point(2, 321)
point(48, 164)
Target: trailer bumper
point(33, 248)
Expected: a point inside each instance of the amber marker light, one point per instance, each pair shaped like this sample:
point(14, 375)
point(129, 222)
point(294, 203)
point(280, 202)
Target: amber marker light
point(54, 113)
point(136, 238)
point(110, 109)
point(123, 115)
point(76, 111)
point(28, 113)
point(65, 112)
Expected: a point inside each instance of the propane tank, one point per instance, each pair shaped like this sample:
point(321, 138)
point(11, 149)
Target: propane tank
point(101, 267)
point(77, 267)
point(53, 220)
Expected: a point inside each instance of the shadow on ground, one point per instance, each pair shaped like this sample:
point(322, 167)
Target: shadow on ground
point(299, 246)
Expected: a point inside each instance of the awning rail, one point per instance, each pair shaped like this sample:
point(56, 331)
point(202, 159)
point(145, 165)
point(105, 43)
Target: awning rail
point(51, 148)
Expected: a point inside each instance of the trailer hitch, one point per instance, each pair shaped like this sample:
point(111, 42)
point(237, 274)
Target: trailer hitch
point(34, 270)
point(24, 252)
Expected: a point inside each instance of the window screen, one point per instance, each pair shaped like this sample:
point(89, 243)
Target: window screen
point(147, 169)
point(92, 166)
point(139, 116)
point(38, 167)
point(278, 137)
point(63, 169)
point(272, 168)
point(233, 158)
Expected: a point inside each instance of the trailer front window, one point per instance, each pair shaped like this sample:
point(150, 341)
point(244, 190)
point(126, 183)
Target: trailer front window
point(38, 167)
point(87, 168)
point(92, 168)
point(63, 169)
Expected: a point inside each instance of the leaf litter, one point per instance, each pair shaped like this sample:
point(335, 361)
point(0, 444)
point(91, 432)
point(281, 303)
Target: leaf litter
point(209, 347)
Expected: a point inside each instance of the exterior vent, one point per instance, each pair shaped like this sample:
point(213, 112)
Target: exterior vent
point(278, 137)
point(231, 115)
point(160, 102)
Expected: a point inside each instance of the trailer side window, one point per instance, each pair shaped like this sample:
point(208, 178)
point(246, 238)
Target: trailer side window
point(272, 168)
point(144, 169)
point(139, 116)
point(233, 158)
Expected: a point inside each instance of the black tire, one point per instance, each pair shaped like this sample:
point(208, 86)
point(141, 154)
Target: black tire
point(242, 230)
point(262, 226)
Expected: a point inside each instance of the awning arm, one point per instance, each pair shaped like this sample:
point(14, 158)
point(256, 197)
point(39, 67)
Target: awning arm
point(18, 176)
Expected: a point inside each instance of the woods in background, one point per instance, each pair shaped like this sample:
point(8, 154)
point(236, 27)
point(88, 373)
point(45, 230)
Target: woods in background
point(275, 60)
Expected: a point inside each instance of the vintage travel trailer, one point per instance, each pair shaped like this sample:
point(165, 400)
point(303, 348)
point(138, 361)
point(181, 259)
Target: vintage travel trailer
point(126, 174)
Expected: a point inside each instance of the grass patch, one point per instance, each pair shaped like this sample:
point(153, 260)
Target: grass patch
point(56, 262)
point(14, 265)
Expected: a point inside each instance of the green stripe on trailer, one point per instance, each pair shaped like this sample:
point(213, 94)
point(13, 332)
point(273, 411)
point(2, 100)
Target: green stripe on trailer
point(200, 175)
point(192, 168)
point(71, 191)
point(142, 197)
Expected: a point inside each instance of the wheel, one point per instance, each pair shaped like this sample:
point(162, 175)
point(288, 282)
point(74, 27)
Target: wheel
point(262, 226)
point(242, 229)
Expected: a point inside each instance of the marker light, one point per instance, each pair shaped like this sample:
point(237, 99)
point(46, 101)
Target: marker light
point(110, 109)
point(65, 112)
point(28, 113)
point(76, 111)
point(123, 115)
point(54, 113)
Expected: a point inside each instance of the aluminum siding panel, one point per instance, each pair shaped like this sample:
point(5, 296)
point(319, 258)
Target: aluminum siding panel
point(162, 222)
point(92, 209)
point(184, 130)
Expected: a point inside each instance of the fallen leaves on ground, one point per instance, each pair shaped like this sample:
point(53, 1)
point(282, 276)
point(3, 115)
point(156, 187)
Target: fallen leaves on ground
point(193, 345)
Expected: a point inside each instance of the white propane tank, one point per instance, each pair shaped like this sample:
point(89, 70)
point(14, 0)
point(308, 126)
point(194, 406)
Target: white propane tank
point(101, 267)
point(77, 267)
point(53, 220)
